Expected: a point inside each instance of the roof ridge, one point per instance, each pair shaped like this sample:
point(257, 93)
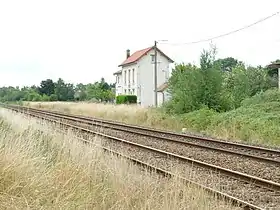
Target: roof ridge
point(136, 56)
point(139, 54)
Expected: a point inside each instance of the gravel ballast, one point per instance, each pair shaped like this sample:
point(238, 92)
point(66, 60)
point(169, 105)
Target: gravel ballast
point(242, 164)
point(248, 192)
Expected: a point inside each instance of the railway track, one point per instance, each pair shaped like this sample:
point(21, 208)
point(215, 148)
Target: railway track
point(250, 163)
point(271, 155)
point(262, 193)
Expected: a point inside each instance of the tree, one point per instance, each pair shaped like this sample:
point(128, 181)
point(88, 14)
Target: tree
point(100, 91)
point(59, 91)
point(184, 87)
point(103, 85)
point(245, 82)
point(227, 64)
point(47, 87)
point(33, 96)
point(236, 85)
point(64, 92)
point(192, 88)
point(80, 92)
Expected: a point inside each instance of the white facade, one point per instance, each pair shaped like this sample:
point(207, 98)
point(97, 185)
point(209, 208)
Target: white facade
point(119, 88)
point(137, 78)
point(163, 97)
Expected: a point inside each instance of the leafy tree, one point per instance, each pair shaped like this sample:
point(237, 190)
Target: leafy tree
point(236, 86)
point(218, 84)
point(53, 97)
point(192, 87)
point(45, 97)
point(59, 91)
point(184, 87)
point(64, 92)
point(227, 64)
point(47, 87)
point(33, 96)
point(99, 91)
point(245, 82)
point(211, 87)
point(80, 92)
point(103, 85)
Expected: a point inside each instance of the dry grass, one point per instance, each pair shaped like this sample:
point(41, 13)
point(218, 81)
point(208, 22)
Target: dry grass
point(133, 114)
point(42, 169)
point(247, 124)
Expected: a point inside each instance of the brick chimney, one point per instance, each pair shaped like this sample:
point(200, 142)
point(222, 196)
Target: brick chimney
point(127, 53)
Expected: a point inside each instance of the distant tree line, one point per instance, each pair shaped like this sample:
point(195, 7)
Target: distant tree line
point(48, 90)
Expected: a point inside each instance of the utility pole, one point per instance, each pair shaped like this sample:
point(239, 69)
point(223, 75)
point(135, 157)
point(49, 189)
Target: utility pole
point(155, 73)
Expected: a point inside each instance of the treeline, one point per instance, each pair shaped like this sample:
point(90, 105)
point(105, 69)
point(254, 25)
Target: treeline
point(48, 90)
point(217, 84)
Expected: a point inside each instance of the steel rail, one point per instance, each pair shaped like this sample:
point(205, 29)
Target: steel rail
point(242, 176)
point(90, 121)
point(168, 174)
point(165, 173)
point(239, 202)
point(206, 139)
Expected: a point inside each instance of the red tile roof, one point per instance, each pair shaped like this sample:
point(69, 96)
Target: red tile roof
point(139, 54)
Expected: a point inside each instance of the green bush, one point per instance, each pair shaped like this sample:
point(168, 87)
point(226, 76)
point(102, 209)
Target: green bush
point(132, 99)
point(126, 99)
point(257, 120)
point(120, 99)
point(45, 98)
point(272, 95)
point(53, 97)
point(198, 120)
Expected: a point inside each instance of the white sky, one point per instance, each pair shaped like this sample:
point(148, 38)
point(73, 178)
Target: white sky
point(82, 41)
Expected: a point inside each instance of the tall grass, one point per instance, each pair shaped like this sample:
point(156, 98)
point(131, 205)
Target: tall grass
point(133, 114)
point(257, 121)
point(42, 169)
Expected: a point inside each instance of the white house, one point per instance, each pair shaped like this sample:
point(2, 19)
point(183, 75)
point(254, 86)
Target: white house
point(136, 76)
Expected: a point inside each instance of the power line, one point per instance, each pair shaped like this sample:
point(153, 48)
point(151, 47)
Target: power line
point(226, 34)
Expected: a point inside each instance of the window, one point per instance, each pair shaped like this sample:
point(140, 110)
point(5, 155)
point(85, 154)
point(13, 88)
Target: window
point(133, 92)
point(124, 91)
point(129, 91)
point(153, 58)
point(125, 77)
point(129, 76)
point(166, 76)
point(133, 76)
point(118, 79)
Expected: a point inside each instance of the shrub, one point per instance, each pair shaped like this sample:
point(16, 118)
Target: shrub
point(126, 99)
point(53, 97)
point(120, 99)
point(271, 95)
point(198, 120)
point(45, 98)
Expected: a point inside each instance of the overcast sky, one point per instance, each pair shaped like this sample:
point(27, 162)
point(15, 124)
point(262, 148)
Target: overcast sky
point(82, 41)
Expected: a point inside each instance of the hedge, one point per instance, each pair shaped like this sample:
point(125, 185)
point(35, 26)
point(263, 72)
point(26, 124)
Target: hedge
point(126, 99)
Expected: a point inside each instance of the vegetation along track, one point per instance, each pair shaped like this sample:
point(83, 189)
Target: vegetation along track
point(256, 161)
point(251, 189)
